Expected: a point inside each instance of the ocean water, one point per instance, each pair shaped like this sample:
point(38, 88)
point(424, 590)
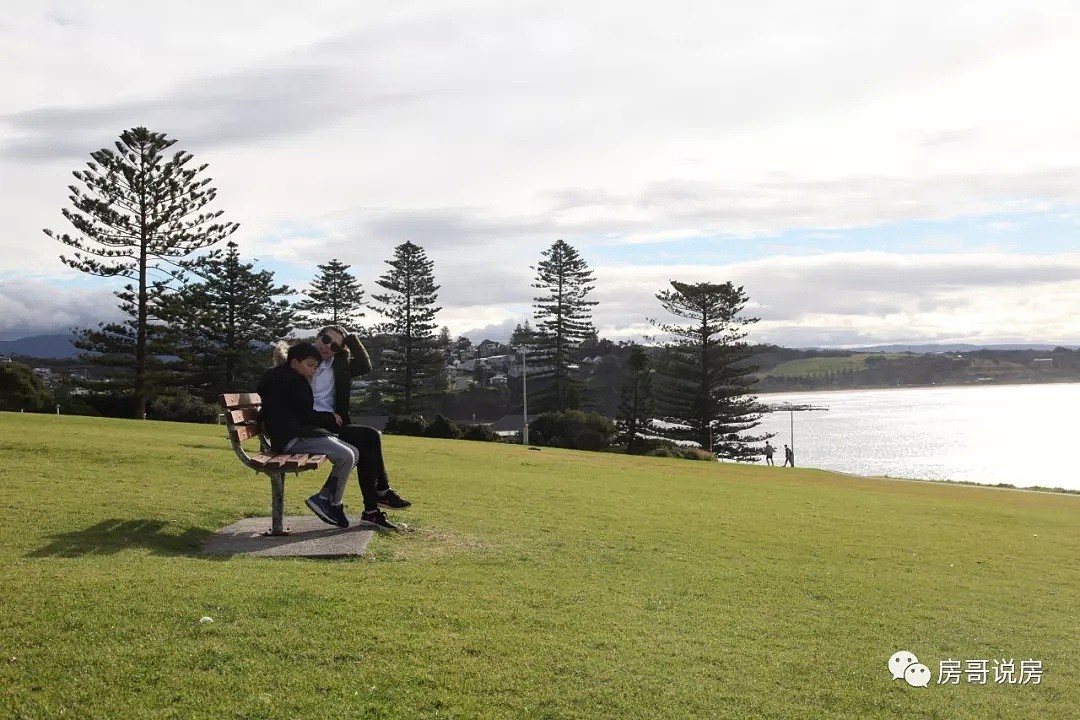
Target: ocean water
point(1023, 435)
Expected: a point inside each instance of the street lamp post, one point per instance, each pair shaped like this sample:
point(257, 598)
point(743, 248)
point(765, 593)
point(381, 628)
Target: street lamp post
point(791, 408)
point(791, 414)
point(524, 398)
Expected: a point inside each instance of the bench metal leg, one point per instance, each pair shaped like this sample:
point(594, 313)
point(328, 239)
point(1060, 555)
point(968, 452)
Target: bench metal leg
point(277, 504)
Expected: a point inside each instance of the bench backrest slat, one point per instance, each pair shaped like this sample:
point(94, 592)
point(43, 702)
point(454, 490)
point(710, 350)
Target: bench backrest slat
point(246, 416)
point(233, 401)
point(240, 433)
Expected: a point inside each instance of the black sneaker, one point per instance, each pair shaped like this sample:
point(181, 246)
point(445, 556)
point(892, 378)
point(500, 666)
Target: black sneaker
point(393, 501)
point(321, 507)
point(337, 515)
point(378, 519)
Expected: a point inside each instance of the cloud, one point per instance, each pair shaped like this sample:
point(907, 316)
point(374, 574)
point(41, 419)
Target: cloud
point(241, 108)
point(499, 332)
point(861, 298)
point(32, 307)
point(708, 137)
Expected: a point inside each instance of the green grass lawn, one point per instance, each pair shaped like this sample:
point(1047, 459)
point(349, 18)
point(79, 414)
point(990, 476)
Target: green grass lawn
point(550, 584)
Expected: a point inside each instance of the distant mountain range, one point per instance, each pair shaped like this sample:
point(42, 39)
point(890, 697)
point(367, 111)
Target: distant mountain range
point(958, 348)
point(59, 347)
point(41, 346)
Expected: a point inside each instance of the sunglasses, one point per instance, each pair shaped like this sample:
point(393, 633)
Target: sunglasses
point(329, 342)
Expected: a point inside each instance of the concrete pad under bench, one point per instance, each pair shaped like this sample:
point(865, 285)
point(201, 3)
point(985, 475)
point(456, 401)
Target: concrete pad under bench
point(310, 537)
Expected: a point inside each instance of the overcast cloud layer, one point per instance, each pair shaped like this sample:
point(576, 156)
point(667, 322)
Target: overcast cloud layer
point(871, 173)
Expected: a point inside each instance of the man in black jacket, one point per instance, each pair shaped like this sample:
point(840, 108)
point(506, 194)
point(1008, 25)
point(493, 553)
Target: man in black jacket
point(343, 356)
point(289, 419)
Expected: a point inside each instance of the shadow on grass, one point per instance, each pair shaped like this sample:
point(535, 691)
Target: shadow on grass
point(113, 536)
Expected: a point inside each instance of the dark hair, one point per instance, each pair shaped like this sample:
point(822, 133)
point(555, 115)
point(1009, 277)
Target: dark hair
point(303, 351)
point(344, 351)
point(333, 328)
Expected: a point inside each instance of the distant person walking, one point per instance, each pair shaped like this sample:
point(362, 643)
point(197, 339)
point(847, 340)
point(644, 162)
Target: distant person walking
point(789, 456)
point(769, 450)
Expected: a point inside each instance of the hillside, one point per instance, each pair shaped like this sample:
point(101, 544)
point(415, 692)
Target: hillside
point(40, 346)
point(784, 369)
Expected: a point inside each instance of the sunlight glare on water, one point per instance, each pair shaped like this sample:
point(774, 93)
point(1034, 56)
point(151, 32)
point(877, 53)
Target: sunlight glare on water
point(1022, 435)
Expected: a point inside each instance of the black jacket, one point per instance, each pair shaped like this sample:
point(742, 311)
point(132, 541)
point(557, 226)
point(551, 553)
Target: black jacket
point(355, 362)
point(287, 407)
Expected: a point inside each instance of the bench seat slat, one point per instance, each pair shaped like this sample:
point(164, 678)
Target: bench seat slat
point(278, 461)
point(286, 462)
point(292, 462)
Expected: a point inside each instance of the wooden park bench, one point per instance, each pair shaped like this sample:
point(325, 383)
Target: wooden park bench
point(242, 419)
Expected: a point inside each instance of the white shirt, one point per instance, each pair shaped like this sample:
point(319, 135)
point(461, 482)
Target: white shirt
point(322, 386)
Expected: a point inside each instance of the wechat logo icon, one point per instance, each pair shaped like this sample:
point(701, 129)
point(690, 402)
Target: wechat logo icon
point(904, 664)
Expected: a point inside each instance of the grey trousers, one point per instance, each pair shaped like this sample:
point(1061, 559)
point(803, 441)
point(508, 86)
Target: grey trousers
point(342, 455)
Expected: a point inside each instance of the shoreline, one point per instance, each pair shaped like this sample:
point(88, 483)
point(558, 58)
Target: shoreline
point(964, 483)
point(859, 388)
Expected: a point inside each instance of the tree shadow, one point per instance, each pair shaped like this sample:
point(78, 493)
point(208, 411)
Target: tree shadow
point(113, 536)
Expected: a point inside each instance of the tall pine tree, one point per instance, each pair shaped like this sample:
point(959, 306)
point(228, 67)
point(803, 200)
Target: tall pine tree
point(563, 321)
point(227, 321)
point(636, 408)
point(334, 298)
point(412, 363)
point(706, 392)
point(140, 216)
point(523, 334)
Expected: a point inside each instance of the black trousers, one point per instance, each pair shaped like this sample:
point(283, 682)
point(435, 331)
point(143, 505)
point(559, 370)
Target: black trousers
point(370, 470)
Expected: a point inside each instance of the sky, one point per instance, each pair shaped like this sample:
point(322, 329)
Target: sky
point(870, 173)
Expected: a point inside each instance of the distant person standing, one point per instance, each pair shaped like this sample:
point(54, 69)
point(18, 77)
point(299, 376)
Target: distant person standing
point(789, 456)
point(769, 450)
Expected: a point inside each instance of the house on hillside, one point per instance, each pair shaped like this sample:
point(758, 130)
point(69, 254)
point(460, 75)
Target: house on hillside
point(510, 424)
point(487, 348)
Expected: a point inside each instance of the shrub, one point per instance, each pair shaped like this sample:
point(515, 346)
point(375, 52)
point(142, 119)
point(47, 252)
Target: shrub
point(442, 427)
point(182, 407)
point(685, 452)
point(405, 425)
point(110, 405)
point(572, 429)
point(21, 389)
point(483, 433)
point(664, 451)
point(591, 439)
